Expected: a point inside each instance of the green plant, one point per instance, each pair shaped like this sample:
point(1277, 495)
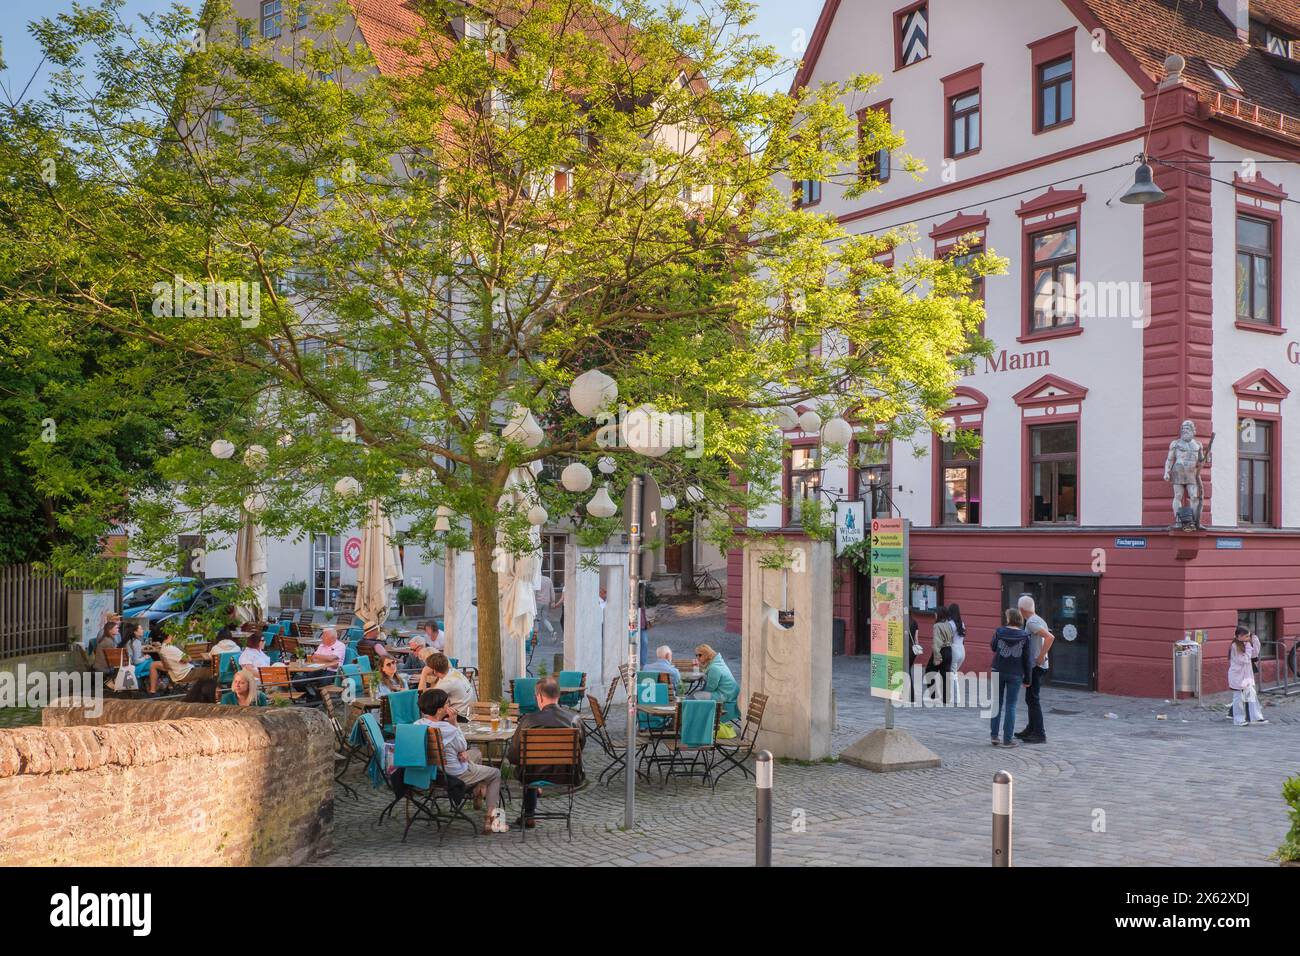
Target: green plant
point(858, 554)
point(542, 670)
point(293, 587)
point(407, 594)
point(1289, 851)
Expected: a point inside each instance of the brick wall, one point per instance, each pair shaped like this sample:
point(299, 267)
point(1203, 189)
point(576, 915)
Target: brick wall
point(152, 783)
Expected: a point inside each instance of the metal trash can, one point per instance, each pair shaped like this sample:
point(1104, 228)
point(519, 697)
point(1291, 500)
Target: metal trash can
point(1187, 668)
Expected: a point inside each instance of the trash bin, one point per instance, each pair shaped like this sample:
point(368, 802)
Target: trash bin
point(1187, 668)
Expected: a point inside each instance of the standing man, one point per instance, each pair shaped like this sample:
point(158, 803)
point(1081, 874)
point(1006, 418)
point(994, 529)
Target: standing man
point(546, 600)
point(1040, 642)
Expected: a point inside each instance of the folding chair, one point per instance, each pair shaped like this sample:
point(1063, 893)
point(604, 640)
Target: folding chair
point(737, 750)
point(198, 651)
point(577, 680)
point(651, 730)
point(399, 707)
point(588, 722)
point(456, 792)
point(289, 647)
point(615, 750)
point(114, 656)
point(376, 770)
point(343, 757)
point(523, 691)
point(278, 682)
point(550, 762)
point(345, 620)
point(696, 735)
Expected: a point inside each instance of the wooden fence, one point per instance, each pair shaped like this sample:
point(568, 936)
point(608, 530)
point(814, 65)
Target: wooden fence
point(33, 611)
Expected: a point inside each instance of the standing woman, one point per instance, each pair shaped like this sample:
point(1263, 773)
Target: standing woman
point(941, 650)
point(958, 650)
point(1241, 678)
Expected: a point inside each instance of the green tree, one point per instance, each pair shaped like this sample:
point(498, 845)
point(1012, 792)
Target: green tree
point(444, 231)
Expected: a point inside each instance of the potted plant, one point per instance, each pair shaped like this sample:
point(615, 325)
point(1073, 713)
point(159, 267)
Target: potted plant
point(1288, 854)
point(411, 600)
point(291, 593)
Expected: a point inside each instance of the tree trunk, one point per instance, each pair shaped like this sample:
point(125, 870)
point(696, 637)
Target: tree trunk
point(688, 564)
point(489, 613)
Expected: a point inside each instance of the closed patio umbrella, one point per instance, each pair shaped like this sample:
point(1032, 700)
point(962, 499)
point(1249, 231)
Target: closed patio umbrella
point(250, 563)
point(518, 575)
point(380, 566)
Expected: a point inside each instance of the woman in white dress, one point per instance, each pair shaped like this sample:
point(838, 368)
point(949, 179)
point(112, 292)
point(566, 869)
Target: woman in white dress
point(958, 651)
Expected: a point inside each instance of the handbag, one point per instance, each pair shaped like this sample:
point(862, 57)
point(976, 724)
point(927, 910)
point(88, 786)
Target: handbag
point(1248, 693)
point(125, 679)
point(726, 731)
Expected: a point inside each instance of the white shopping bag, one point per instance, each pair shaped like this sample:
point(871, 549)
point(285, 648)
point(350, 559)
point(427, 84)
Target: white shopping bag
point(125, 679)
point(1248, 693)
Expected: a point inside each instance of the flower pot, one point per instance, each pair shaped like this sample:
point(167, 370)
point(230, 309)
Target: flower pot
point(291, 600)
point(412, 610)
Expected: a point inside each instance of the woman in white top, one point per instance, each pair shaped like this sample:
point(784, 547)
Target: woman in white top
point(958, 650)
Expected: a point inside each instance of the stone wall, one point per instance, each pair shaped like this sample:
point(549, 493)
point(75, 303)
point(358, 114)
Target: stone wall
point(156, 783)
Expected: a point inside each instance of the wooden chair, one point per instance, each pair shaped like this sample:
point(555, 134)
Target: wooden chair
point(550, 762)
point(343, 757)
point(481, 710)
point(344, 620)
point(277, 681)
point(198, 651)
point(456, 792)
point(288, 647)
point(588, 722)
point(614, 750)
point(286, 614)
point(737, 750)
point(115, 656)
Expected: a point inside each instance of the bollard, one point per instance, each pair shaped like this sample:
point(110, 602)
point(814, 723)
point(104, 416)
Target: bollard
point(1002, 818)
point(763, 809)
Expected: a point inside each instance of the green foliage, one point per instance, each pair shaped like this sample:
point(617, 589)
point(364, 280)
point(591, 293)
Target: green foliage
point(858, 554)
point(407, 594)
point(293, 587)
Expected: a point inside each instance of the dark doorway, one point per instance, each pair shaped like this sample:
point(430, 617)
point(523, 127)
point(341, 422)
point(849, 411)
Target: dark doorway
point(1068, 603)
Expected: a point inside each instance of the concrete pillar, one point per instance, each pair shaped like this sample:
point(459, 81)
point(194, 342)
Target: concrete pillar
point(595, 642)
point(791, 665)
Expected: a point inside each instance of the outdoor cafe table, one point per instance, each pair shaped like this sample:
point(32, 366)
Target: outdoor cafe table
point(690, 680)
point(364, 704)
point(480, 732)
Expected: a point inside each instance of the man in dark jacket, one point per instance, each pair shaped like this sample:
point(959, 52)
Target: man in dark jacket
point(548, 714)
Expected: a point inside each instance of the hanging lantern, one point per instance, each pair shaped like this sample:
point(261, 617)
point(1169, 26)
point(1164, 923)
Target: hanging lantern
point(256, 457)
point(255, 504)
point(810, 422)
point(647, 431)
point(576, 477)
point(668, 502)
point(486, 446)
point(694, 494)
point(591, 391)
point(285, 440)
point(602, 505)
point(537, 516)
point(523, 428)
point(442, 524)
point(222, 449)
point(787, 419)
point(607, 465)
point(347, 487)
point(837, 432)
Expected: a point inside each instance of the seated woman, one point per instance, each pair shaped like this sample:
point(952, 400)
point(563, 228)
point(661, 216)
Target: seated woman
point(133, 644)
point(718, 682)
point(106, 641)
point(245, 691)
point(388, 682)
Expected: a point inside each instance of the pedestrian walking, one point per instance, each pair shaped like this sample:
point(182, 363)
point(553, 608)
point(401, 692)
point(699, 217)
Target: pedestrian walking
point(958, 651)
point(1241, 678)
point(940, 661)
point(1040, 640)
point(1011, 662)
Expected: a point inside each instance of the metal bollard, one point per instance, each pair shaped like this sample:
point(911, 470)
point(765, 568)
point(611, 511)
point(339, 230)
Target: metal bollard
point(763, 809)
point(1002, 782)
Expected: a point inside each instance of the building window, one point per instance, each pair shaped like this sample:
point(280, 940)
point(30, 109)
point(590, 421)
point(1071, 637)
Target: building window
point(877, 166)
point(1277, 44)
point(1054, 474)
point(245, 36)
point(271, 17)
point(553, 560)
point(1263, 624)
point(964, 123)
point(1056, 93)
point(805, 480)
point(911, 35)
point(874, 478)
point(1223, 76)
point(1053, 278)
point(327, 568)
point(960, 485)
point(1254, 472)
point(1255, 276)
point(808, 193)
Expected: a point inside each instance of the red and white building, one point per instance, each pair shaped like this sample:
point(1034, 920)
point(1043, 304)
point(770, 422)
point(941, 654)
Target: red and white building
point(1025, 112)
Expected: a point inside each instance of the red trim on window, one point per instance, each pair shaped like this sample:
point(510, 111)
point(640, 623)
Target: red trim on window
point(1028, 397)
point(969, 80)
point(1041, 53)
point(899, 16)
point(1274, 419)
point(1027, 474)
point(886, 107)
point(786, 471)
point(1254, 197)
point(958, 227)
point(1069, 202)
point(976, 406)
point(1272, 390)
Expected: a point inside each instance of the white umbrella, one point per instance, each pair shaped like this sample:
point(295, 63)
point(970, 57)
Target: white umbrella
point(250, 563)
point(380, 566)
point(518, 575)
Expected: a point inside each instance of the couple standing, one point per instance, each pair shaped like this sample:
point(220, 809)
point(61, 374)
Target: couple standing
point(1020, 656)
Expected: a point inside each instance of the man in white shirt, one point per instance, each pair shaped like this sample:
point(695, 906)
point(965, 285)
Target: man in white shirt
point(253, 656)
point(1040, 642)
point(331, 650)
point(440, 675)
point(176, 665)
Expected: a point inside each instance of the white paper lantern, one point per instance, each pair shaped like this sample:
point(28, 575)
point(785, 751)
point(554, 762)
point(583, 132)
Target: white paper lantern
point(602, 505)
point(694, 494)
point(222, 449)
point(647, 431)
point(485, 446)
point(576, 477)
point(285, 440)
point(787, 419)
point(442, 524)
point(810, 422)
point(255, 504)
point(607, 465)
point(668, 502)
point(347, 487)
point(523, 428)
point(591, 391)
point(537, 515)
point(837, 432)
point(256, 457)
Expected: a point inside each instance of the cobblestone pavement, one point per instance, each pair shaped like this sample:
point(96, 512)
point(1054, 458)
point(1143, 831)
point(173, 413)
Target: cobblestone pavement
point(1125, 790)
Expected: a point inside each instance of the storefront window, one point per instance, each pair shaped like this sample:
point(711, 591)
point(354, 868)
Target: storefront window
point(1054, 474)
point(1263, 624)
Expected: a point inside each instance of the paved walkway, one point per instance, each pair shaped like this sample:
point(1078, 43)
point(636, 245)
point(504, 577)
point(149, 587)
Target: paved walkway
point(1129, 790)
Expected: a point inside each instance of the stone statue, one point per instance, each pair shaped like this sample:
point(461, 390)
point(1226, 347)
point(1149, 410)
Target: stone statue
point(1183, 469)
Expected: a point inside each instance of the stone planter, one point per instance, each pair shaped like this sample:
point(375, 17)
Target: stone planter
point(291, 600)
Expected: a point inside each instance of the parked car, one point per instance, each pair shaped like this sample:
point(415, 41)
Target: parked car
point(191, 596)
point(139, 593)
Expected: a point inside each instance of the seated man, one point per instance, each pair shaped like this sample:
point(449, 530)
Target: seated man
point(331, 651)
point(433, 636)
point(420, 648)
point(253, 656)
point(663, 663)
point(463, 763)
point(175, 665)
point(548, 714)
point(438, 674)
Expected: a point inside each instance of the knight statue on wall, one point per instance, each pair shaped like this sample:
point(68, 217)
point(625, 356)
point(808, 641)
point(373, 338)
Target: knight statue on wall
point(1183, 469)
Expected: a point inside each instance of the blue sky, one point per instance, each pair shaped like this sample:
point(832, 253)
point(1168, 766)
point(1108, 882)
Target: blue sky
point(778, 22)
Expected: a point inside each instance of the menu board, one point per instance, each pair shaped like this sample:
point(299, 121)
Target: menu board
point(888, 606)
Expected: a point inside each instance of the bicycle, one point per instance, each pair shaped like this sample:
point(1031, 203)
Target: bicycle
point(704, 582)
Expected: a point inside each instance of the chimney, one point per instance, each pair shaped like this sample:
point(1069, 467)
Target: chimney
point(1238, 14)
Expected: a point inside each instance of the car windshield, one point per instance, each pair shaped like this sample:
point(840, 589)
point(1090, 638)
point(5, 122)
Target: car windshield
point(174, 598)
point(145, 595)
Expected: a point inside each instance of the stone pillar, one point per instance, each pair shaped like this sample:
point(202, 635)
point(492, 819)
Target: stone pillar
point(460, 616)
point(595, 642)
point(792, 666)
